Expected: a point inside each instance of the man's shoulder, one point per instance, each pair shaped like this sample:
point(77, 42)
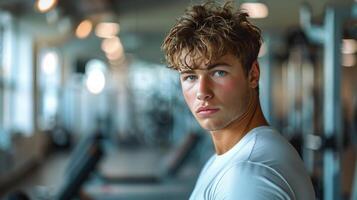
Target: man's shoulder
point(252, 179)
point(271, 145)
point(266, 135)
point(246, 169)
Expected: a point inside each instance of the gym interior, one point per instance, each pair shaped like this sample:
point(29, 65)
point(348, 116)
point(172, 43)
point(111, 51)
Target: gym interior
point(89, 110)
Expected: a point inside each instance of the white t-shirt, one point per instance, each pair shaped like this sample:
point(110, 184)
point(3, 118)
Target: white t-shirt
point(262, 165)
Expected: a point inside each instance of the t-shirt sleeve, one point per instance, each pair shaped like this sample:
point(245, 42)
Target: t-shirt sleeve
point(253, 181)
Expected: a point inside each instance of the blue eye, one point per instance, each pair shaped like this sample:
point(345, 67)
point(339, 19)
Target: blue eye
point(189, 78)
point(219, 73)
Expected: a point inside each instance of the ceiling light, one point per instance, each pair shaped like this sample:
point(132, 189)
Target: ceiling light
point(116, 55)
point(49, 63)
point(110, 45)
point(107, 29)
point(45, 5)
point(255, 9)
point(95, 81)
point(349, 46)
point(348, 60)
point(84, 29)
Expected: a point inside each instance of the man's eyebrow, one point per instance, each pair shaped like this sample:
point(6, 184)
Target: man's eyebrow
point(210, 66)
point(213, 65)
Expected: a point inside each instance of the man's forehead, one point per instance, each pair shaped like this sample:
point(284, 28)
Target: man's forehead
point(194, 66)
point(197, 62)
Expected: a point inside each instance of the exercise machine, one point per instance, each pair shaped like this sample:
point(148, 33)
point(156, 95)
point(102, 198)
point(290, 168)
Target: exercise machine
point(83, 162)
point(175, 162)
point(330, 36)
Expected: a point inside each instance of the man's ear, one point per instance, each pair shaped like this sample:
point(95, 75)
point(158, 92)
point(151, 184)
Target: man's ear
point(254, 74)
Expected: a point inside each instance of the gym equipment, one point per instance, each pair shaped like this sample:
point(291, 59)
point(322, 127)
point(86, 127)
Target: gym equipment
point(300, 71)
point(17, 195)
point(178, 159)
point(330, 36)
point(354, 141)
point(84, 160)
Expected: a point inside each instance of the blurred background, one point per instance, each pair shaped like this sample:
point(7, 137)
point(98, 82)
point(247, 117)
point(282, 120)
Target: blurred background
point(88, 109)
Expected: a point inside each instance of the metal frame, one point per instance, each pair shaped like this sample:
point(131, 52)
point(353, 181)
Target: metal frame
point(330, 36)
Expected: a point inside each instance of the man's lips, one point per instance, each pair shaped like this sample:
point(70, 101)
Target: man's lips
point(206, 111)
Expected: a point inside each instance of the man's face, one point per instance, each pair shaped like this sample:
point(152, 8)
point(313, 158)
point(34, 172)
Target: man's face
point(217, 93)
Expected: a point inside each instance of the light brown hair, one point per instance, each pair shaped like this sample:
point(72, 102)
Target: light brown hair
point(210, 31)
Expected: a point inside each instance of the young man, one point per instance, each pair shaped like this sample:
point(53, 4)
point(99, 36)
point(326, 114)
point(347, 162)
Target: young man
point(215, 50)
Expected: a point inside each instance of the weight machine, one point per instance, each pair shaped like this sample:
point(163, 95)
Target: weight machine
point(330, 36)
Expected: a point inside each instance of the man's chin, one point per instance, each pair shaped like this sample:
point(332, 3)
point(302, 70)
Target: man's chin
point(212, 127)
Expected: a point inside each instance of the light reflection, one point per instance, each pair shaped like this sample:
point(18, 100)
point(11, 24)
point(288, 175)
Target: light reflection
point(111, 45)
point(348, 60)
point(349, 46)
point(255, 10)
point(116, 55)
point(49, 62)
point(45, 5)
point(95, 81)
point(107, 29)
point(84, 29)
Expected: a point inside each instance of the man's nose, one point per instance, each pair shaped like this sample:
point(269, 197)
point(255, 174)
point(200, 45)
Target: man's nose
point(204, 91)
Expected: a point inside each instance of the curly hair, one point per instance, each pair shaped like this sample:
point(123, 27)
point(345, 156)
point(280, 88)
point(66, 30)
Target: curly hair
point(210, 31)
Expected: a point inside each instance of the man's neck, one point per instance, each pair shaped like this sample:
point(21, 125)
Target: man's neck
point(225, 139)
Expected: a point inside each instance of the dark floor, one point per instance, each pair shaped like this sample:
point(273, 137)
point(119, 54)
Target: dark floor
point(45, 181)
